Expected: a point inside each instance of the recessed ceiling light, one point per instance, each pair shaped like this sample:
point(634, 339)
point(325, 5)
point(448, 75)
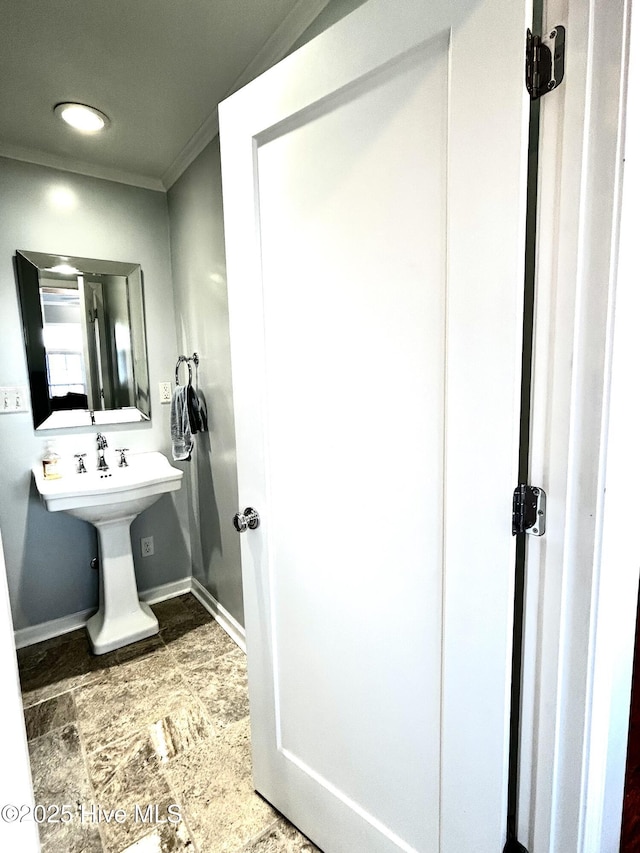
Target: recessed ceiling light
point(82, 118)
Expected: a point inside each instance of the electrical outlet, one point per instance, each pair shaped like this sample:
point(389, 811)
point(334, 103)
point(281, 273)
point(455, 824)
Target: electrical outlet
point(146, 546)
point(165, 392)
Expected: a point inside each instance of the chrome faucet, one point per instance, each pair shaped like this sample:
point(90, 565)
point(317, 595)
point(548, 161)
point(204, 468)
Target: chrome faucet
point(102, 443)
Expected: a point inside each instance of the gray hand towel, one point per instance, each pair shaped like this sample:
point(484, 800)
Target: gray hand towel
point(181, 438)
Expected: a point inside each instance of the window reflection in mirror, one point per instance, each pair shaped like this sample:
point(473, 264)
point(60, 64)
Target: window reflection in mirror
point(84, 334)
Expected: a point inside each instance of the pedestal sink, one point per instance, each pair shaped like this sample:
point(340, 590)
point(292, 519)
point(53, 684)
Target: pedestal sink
point(110, 500)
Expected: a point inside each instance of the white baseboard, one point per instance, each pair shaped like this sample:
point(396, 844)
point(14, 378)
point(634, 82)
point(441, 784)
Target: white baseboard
point(226, 621)
point(165, 591)
point(56, 627)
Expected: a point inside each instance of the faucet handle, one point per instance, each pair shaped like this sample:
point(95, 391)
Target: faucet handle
point(80, 469)
point(123, 458)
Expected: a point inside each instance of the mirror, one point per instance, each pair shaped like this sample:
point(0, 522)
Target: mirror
point(84, 332)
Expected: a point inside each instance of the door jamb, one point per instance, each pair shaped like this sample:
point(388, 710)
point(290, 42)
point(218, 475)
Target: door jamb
point(579, 181)
point(617, 593)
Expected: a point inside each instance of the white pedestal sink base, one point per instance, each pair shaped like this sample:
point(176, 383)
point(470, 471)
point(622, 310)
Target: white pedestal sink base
point(121, 618)
point(111, 503)
point(106, 635)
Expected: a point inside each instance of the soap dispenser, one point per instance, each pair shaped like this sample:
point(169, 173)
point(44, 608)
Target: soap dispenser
point(51, 463)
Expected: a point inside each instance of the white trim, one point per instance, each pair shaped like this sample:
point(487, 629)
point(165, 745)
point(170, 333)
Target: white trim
point(56, 627)
point(79, 167)
point(16, 785)
point(578, 211)
point(275, 48)
point(195, 146)
point(166, 590)
point(226, 621)
point(616, 595)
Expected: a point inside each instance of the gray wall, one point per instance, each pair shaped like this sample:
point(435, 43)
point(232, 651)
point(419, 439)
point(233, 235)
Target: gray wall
point(47, 555)
point(200, 284)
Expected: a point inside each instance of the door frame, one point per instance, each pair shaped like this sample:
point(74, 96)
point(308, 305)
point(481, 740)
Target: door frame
point(570, 708)
point(16, 786)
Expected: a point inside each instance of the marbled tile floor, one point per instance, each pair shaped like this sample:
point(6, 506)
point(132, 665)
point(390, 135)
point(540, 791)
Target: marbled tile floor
point(163, 722)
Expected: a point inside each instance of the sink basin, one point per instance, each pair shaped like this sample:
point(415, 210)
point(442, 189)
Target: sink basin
point(110, 501)
point(97, 496)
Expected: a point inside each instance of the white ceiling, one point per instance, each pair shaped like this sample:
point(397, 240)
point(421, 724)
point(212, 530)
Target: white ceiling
point(157, 68)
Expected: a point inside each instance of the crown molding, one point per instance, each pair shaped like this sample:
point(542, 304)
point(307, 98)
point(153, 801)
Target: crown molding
point(79, 167)
point(275, 48)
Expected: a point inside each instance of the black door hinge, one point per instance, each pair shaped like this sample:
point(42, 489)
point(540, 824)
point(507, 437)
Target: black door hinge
point(545, 62)
point(529, 510)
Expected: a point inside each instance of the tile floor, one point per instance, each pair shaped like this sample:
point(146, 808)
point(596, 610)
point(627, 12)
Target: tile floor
point(162, 723)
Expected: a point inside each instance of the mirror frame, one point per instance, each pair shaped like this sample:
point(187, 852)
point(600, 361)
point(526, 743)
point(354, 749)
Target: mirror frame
point(28, 268)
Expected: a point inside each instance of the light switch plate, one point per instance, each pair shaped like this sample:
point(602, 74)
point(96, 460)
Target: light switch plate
point(14, 398)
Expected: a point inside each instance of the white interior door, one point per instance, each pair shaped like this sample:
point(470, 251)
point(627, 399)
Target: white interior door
point(374, 187)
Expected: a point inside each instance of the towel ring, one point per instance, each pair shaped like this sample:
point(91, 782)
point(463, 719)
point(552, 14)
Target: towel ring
point(187, 360)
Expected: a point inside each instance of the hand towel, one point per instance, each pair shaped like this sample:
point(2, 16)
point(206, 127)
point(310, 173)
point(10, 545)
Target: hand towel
point(197, 416)
point(181, 437)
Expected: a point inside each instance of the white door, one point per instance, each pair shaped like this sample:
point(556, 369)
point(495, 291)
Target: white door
point(374, 189)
